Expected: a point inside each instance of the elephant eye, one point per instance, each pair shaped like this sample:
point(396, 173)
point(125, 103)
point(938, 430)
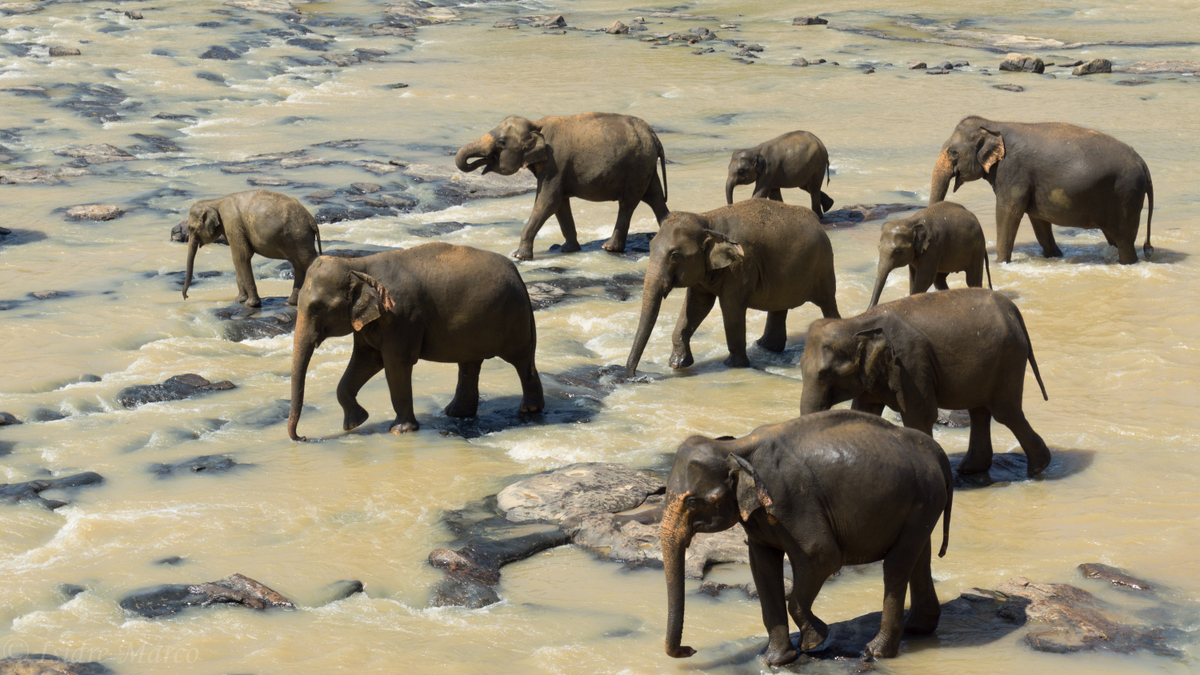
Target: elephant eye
point(693, 503)
point(952, 153)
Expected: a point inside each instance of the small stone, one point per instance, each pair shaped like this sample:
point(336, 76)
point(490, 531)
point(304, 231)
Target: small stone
point(1092, 67)
point(937, 71)
point(398, 85)
point(961, 64)
point(173, 389)
point(219, 53)
point(868, 70)
point(319, 196)
point(617, 28)
point(946, 65)
point(365, 188)
point(801, 62)
point(95, 212)
point(134, 15)
point(1023, 63)
point(809, 21)
point(8, 418)
point(1008, 87)
point(64, 51)
point(917, 65)
point(268, 182)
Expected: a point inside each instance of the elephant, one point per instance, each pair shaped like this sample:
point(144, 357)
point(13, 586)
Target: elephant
point(933, 242)
point(797, 159)
point(756, 254)
point(1056, 173)
point(833, 488)
point(600, 157)
point(963, 348)
point(434, 302)
point(268, 223)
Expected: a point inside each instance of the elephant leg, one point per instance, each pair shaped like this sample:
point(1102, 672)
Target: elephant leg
point(921, 276)
point(300, 273)
point(923, 616)
point(774, 337)
point(532, 399)
point(776, 195)
point(816, 198)
point(625, 209)
point(766, 565)
point(939, 281)
point(979, 448)
point(399, 379)
point(466, 394)
point(863, 406)
point(1009, 211)
point(1036, 453)
point(920, 417)
point(806, 584)
point(365, 362)
point(656, 200)
point(897, 570)
point(1126, 248)
point(1045, 237)
point(566, 223)
point(247, 290)
point(826, 203)
point(735, 334)
point(696, 305)
point(546, 204)
point(975, 273)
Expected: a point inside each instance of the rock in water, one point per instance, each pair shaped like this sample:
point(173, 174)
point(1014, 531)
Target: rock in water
point(95, 212)
point(64, 51)
point(617, 28)
point(31, 491)
point(234, 589)
point(48, 664)
point(576, 490)
point(202, 464)
point(809, 21)
point(173, 389)
point(1023, 63)
point(1114, 576)
point(1092, 67)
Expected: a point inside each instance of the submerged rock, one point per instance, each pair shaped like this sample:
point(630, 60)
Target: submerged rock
point(13, 493)
point(7, 419)
point(1114, 576)
point(809, 21)
point(234, 589)
point(99, 153)
point(99, 212)
point(64, 51)
point(48, 664)
point(340, 590)
point(175, 388)
point(274, 317)
point(201, 464)
point(857, 213)
point(1023, 63)
point(28, 177)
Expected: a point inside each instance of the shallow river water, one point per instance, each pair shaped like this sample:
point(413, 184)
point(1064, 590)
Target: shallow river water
point(1118, 346)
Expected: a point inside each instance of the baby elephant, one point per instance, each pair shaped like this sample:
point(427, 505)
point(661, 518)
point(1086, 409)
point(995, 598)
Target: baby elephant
point(961, 349)
point(270, 224)
point(831, 489)
point(756, 254)
point(934, 242)
point(796, 159)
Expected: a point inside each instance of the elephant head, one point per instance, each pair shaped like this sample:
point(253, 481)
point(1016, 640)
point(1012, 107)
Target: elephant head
point(685, 252)
point(972, 151)
point(882, 355)
point(204, 227)
point(334, 301)
point(712, 487)
point(744, 168)
point(510, 147)
point(900, 241)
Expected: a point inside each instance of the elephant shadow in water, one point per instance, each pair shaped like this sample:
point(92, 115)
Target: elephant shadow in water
point(637, 245)
point(16, 237)
point(1098, 253)
point(1010, 467)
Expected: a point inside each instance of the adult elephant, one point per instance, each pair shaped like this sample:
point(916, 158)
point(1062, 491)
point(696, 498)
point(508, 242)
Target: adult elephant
point(757, 254)
point(831, 489)
point(964, 348)
point(797, 159)
point(1056, 173)
point(268, 223)
point(600, 157)
point(435, 302)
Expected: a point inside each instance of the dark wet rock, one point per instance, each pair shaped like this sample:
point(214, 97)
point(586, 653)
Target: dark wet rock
point(100, 103)
point(157, 143)
point(202, 464)
point(98, 212)
point(1008, 87)
point(64, 51)
point(955, 419)
point(1092, 67)
point(576, 490)
point(273, 318)
point(319, 196)
point(235, 589)
point(867, 69)
point(47, 664)
point(1116, 577)
point(945, 65)
point(438, 229)
point(4, 231)
point(100, 153)
point(176, 388)
point(211, 77)
point(135, 15)
point(266, 415)
point(311, 44)
point(69, 591)
point(809, 21)
point(34, 90)
point(31, 491)
point(28, 177)
point(858, 213)
point(472, 570)
point(337, 213)
point(1023, 63)
point(397, 85)
point(544, 293)
point(176, 117)
point(219, 53)
point(340, 590)
point(937, 71)
point(626, 538)
point(8, 418)
point(113, 28)
point(458, 187)
point(393, 201)
point(917, 65)
point(365, 188)
point(50, 295)
point(342, 60)
point(47, 415)
point(960, 64)
point(172, 561)
point(268, 182)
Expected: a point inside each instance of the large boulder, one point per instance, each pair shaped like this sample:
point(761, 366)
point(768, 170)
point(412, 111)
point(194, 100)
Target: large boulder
point(1092, 67)
point(576, 490)
point(1023, 63)
point(176, 388)
point(234, 589)
point(13, 493)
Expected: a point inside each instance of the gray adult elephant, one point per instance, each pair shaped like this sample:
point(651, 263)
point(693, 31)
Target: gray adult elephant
point(797, 159)
point(964, 348)
point(830, 489)
point(270, 224)
point(933, 243)
point(435, 302)
point(600, 157)
point(756, 254)
point(1056, 173)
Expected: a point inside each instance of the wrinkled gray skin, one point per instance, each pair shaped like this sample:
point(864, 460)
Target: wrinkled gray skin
point(963, 348)
point(270, 224)
point(828, 489)
point(933, 243)
point(1056, 173)
point(600, 157)
point(797, 159)
point(757, 254)
point(435, 302)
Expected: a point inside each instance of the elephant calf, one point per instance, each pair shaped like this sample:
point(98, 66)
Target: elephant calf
point(756, 254)
point(963, 348)
point(933, 242)
point(797, 159)
point(829, 489)
point(435, 302)
point(270, 224)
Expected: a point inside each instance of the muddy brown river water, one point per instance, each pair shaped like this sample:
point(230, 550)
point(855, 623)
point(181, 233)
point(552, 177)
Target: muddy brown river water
point(1118, 346)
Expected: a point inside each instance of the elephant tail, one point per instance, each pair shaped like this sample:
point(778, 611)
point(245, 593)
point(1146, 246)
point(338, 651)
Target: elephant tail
point(827, 165)
point(1032, 361)
point(988, 267)
point(1146, 247)
point(317, 232)
point(946, 512)
point(662, 160)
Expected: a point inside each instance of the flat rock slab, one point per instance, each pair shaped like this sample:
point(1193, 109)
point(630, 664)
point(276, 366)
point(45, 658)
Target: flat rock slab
point(1115, 576)
point(32, 176)
point(1092, 67)
point(48, 664)
point(858, 213)
point(624, 538)
point(13, 493)
point(576, 490)
point(1151, 67)
point(235, 589)
point(95, 212)
point(550, 291)
point(274, 317)
point(472, 570)
point(100, 153)
point(202, 464)
point(176, 388)
point(466, 186)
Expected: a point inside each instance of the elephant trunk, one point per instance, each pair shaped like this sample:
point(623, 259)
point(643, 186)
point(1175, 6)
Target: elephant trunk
point(303, 345)
point(480, 148)
point(813, 399)
point(943, 171)
point(653, 292)
point(730, 183)
point(193, 246)
point(881, 276)
point(675, 536)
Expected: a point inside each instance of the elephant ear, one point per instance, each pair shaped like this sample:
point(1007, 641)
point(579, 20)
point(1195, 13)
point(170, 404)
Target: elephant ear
point(899, 357)
point(751, 492)
point(210, 223)
point(876, 361)
point(536, 150)
point(991, 150)
point(369, 300)
point(920, 238)
point(760, 164)
point(719, 252)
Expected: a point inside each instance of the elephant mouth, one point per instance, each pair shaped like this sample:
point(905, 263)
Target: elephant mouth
point(958, 180)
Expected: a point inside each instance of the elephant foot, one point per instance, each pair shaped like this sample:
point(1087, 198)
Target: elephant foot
point(530, 406)
point(570, 247)
point(779, 657)
point(613, 245)
point(354, 418)
point(404, 427)
point(1036, 466)
point(920, 624)
point(460, 409)
point(681, 652)
point(1053, 252)
point(523, 253)
point(739, 361)
point(681, 359)
point(813, 634)
point(254, 302)
point(881, 648)
point(971, 465)
point(294, 297)
point(772, 345)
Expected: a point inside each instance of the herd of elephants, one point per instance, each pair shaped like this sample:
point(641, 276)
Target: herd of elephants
point(829, 488)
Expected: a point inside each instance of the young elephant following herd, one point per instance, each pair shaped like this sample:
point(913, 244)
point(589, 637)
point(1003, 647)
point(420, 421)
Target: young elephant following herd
point(962, 349)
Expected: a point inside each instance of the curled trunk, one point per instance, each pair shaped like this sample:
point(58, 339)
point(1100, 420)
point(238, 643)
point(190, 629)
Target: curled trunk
point(943, 171)
point(302, 350)
point(193, 246)
point(730, 183)
point(675, 539)
point(881, 276)
point(652, 297)
point(480, 148)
